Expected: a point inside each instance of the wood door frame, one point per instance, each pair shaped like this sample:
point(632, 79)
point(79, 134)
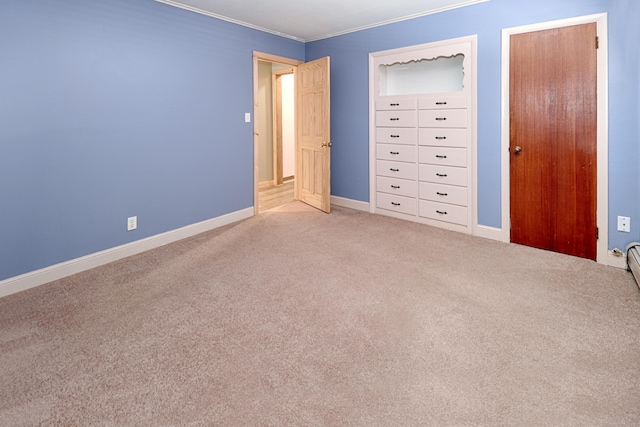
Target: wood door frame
point(602, 211)
point(267, 57)
point(276, 83)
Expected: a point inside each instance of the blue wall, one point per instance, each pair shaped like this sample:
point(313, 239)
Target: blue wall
point(115, 108)
point(350, 96)
point(131, 107)
point(624, 120)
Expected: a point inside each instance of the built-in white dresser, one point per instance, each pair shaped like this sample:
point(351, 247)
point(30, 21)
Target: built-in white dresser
point(397, 155)
point(422, 159)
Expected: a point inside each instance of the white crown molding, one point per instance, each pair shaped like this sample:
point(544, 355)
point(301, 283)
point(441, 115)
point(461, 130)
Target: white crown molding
point(225, 18)
point(392, 21)
point(326, 36)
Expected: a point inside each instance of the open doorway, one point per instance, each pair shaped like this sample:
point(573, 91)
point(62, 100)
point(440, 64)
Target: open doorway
point(312, 130)
point(274, 131)
point(276, 135)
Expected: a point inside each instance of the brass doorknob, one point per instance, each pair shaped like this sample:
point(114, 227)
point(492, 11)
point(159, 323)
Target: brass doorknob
point(517, 149)
point(326, 144)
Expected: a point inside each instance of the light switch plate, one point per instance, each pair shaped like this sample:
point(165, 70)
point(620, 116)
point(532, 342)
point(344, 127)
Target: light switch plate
point(247, 117)
point(132, 223)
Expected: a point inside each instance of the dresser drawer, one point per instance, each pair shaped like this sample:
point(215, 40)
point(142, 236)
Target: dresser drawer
point(444, 174)
point(444, 193)
point(407, 136)
point(392, 202)
point(396, 169)
point(406, 119)
point(402, 187)
point(442, 102)
point(443, 118)
point(396, 104)
point(444, 156)
point(396, 152)
point(444, 212)
point(443, 137)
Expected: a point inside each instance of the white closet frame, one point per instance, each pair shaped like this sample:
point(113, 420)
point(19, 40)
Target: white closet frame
point(444, 48)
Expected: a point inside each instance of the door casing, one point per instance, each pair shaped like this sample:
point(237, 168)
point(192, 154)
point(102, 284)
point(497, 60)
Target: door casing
point(261, 56)
point(278, 125)
point(602, 125)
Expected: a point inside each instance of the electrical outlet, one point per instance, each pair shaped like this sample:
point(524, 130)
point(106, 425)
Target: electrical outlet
point(132, 223)
point(624, 224)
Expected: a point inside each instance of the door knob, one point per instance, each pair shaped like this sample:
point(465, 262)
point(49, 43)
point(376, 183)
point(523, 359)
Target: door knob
point(517, 149)
point(326, 144)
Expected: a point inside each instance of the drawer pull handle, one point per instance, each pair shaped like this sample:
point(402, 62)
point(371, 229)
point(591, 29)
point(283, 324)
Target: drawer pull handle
point(396, 187)
point(394, 105)
point(439, 118)
point(441, 194)
point(441, 103)
point(441, 137)
point(440, 157)
point(395, 153)
point(394, 136)
point(441, 212)
point(394, 119)
point(396, 170)
point(395, 204)
point(443, 175)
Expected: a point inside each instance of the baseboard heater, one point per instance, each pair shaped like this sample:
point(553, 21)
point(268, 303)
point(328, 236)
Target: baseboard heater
point(633, 260)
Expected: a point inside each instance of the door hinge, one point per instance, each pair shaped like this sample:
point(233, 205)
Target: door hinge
point(597, 43)
point(597, 233)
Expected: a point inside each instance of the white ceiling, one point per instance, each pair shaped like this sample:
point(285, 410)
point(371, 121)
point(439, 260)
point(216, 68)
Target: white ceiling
point(308, 20)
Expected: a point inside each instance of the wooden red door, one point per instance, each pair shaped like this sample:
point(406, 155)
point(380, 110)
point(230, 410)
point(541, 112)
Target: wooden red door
point(553, 145)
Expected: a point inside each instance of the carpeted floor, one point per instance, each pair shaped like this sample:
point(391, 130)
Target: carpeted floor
point(298, 318)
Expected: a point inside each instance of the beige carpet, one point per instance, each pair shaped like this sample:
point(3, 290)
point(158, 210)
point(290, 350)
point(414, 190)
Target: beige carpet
point(297, 318)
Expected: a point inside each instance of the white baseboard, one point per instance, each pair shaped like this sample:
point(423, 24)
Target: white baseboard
point(489, 233)
point(58, 271)
point(350, 203)
point(616, 261)
point(497, 234)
